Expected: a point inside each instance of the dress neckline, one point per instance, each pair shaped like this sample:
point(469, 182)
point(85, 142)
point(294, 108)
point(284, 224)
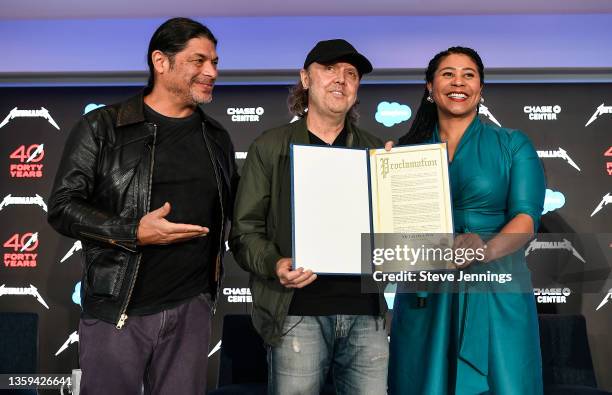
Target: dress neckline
point(462, 141)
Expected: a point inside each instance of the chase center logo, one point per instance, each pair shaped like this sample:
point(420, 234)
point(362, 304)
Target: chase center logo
point(245, 114)
point(551, 295)
point(542, 113)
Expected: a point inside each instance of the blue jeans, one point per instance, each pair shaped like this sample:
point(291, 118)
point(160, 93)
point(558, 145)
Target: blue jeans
point(354, 347)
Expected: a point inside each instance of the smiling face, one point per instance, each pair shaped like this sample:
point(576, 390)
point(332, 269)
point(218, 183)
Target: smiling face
point(456, 88)
point(191, 76)
point(332, 89)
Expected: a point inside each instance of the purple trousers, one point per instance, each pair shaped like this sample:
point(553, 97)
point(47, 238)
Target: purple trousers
point(164, 353)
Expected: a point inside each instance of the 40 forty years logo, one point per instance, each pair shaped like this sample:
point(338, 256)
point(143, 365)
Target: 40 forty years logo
point(602, 109)
point(29, 158)
point(24, 250)
point(17, 113)
point(561, 154)
point(553, 245)
point(19, 291)
point(607, 199)
point(35, 200)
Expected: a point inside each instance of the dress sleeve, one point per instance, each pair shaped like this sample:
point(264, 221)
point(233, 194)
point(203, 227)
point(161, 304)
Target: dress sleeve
point(527, 181)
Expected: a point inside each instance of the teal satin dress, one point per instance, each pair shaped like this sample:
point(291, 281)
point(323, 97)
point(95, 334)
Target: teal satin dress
point(484, 342)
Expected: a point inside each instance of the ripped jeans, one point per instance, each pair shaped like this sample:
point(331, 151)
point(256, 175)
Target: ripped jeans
point(355, 347)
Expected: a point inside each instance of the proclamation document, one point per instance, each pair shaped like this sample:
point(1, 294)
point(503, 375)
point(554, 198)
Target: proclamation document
point(411, 205)
point(347, 202)
point(411, 190)
point(331, 208)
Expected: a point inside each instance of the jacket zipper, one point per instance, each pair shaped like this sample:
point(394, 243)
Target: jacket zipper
point(108, 240)
point(122, 315)
point(221, 245)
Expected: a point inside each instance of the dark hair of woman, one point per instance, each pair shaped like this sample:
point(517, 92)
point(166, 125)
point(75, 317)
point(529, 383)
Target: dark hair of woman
point(427, 115)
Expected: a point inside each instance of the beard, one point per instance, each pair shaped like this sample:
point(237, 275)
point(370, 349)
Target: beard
point(190, 94)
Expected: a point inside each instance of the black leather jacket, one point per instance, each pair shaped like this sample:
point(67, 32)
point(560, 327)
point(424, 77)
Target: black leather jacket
point(103, 188)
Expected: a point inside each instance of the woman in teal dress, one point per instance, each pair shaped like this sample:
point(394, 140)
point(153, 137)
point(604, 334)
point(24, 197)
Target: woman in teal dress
point(480, 339)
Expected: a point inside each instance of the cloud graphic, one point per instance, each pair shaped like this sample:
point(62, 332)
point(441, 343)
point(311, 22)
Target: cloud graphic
point(91, 107)
point(76, 295)
point(552, 201)
point(390, 114)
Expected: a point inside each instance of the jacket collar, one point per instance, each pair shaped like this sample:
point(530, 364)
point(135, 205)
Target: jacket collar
point(131, 111)
point(300, 135)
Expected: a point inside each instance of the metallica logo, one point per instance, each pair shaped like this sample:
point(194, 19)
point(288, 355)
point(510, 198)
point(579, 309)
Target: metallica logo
point(75, 247)
point(553, 245)
point(607, 199)
point(560, 153)
point(605, 300)
point(32, 291)
point(42, 113)
point(73, 338)
point(35, 200)
point(215, 349)
point(386, 166)
point(600, 110)
point(483, 110)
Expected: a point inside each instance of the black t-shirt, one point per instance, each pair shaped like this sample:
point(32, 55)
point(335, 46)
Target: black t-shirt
point(183, 175)
point(333, 294)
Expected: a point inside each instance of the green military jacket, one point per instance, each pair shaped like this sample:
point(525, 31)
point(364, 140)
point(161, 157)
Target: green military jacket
point(261, 229)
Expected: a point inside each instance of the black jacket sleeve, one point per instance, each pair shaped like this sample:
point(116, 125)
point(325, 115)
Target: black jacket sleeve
point(71, 212)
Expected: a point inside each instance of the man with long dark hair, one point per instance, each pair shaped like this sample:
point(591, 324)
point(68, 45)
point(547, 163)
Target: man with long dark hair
point(140, 183)
point(312, 324)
